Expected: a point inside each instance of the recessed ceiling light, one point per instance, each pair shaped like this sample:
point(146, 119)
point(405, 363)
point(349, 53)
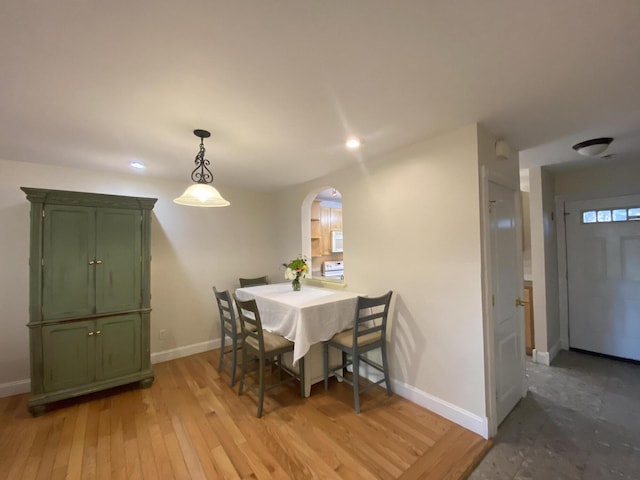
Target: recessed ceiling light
point(353, 143)
point(138, 165)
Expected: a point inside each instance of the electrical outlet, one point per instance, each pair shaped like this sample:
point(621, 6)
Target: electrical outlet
point(162, 335)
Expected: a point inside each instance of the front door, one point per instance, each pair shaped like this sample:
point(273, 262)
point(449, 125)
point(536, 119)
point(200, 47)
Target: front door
point(507, 287)
point(603, 271)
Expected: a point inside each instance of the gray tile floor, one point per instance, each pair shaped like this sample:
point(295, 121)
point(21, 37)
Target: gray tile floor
point(580, 420)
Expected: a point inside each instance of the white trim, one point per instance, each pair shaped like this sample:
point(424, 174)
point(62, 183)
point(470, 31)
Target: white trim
point(15, 388)
point(545, 358)
point(487, 312)
point(553, 351)
point(460, 416)
point(185, 351)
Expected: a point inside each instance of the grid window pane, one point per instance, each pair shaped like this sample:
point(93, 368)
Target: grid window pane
point(604, 216)
point(634, 213)
point(589, 216)
point(620, 215)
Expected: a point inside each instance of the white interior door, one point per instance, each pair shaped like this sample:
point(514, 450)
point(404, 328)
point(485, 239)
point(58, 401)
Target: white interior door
point(507, 286)
point(603, 266)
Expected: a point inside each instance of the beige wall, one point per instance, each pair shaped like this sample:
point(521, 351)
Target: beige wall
point(608, 179)
point(411, 224)
point(192, 249)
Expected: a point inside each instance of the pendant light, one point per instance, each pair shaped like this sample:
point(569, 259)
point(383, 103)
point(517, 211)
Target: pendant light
point(201, 194)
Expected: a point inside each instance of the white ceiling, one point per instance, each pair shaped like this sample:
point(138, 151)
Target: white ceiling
point(280, 84)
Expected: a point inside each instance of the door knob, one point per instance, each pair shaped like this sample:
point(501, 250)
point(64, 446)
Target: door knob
point(520, 303)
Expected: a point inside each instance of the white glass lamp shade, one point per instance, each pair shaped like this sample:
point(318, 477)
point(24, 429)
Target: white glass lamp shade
point(201, 195)
point(593, 147)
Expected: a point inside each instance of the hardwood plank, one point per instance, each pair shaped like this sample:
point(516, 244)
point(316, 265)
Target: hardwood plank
point(191, 424)
point(103, 448)
point(48, 453)
point(76, 451)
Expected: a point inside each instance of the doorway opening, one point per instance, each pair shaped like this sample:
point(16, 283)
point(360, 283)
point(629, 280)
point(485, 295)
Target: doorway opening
point(324, 240)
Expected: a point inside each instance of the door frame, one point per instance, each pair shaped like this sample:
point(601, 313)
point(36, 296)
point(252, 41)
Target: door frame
point(487, 176)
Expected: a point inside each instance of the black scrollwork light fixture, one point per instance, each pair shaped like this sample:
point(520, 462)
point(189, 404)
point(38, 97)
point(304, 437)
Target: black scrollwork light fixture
point(201, 194)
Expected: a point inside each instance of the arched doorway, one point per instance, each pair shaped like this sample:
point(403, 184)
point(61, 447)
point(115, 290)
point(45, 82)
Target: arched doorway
point(323, 234)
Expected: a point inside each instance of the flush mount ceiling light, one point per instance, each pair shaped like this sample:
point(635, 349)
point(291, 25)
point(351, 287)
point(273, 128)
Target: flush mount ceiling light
point(593, 147)
point(201, 194)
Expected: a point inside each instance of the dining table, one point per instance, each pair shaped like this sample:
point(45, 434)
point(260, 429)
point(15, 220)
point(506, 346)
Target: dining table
point(306, 317)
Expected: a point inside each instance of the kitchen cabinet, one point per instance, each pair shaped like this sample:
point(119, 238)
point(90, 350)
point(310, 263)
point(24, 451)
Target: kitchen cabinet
point(316, 229)
point(331, 220)
point(336, 219)
point(89, 306)
point(529, 337)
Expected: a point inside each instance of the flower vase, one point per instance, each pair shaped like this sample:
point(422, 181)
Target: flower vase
point(295, 284)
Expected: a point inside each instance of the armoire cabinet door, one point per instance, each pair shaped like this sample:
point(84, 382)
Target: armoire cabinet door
point(118, 346)
point(68, 248)
point(119, 253)
point(68, 354)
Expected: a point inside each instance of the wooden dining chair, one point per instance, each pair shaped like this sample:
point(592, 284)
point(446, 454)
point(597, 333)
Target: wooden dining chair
point(229, 327)
point(263, 345)
point(253, 282)
point(368, 333)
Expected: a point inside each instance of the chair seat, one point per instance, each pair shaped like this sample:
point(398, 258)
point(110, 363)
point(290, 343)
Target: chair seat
point(272, 342)
point(346, 338)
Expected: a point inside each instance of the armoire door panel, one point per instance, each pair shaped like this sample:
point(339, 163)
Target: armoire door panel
point(68, 250)
point(68, 354)
point(118, 251)
point(118, 347)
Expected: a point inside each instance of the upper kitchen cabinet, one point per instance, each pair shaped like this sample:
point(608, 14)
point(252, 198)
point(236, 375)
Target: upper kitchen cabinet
point(336, 219)
point(316, 229)
point(331, 220)
point(89, 297)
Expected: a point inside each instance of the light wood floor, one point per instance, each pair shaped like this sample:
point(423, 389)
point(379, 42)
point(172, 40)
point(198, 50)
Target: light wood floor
point(191, 424)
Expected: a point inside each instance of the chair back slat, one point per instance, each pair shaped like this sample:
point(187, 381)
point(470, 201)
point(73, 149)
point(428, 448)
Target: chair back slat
point(253, 282)
point(227, 313)
point(250, 320)
point(371, 316)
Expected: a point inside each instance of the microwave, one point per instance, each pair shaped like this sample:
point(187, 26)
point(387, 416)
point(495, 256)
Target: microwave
point(336, 242)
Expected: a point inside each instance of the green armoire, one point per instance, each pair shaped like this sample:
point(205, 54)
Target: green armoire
point(89, 293)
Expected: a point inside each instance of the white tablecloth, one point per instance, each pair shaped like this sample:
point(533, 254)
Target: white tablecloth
point(306, 317)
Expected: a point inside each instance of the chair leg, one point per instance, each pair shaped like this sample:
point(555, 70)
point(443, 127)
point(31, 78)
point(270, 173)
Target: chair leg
point(344, 364)
point(234, 361)
point(261, 387)
point(356, 381)
point(243, 370)
point(279, 360)
point(220, 362)
point(385, 367)
point(301, 376)
point(325, 363)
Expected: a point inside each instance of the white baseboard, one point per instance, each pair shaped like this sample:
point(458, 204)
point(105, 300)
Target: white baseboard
point(462, 417)
point(545, 358)
point(468, 420)
point(24, 386)
point(179, 352)
point(15, 388)
point(540, 357)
